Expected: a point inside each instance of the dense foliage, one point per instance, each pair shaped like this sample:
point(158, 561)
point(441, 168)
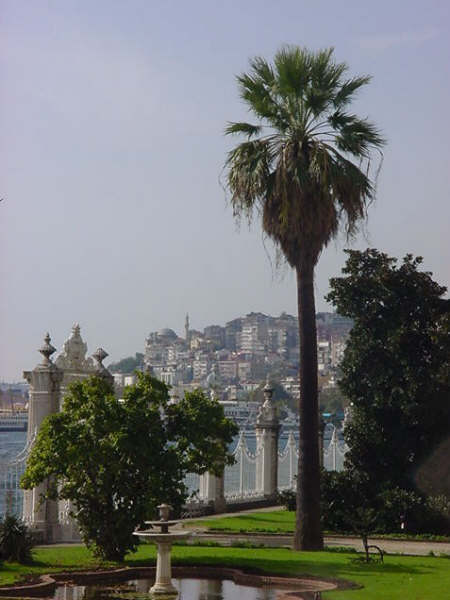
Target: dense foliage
point(304, 167)
point(117, 460)
point(331, 399)
point(16, 540)
point(395, 367)
point(349, 504)
point(280, 397)
point(128, 364)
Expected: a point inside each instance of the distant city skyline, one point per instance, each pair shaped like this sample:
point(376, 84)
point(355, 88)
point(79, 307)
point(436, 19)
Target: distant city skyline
point(112, 151)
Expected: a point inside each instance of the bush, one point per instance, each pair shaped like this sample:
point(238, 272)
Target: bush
point(288, 499)
point(437, 513)
point(16, 540)
point(342, 493)
point(345, 493)
point(397, 507)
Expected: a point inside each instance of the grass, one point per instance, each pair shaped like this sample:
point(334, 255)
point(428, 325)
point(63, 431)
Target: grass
point(399, 578)
point(283, 521)
point(280, 521)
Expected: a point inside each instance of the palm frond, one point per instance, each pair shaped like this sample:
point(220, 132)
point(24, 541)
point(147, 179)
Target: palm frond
point(248, 171)
point(262, 69)
point(293, 67)
point(359, 137)
point(348, 89)
point(263, 102)
point(245, 128)
point(300, 175)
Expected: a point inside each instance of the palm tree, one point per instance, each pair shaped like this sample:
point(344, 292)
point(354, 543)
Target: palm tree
point(305, 168)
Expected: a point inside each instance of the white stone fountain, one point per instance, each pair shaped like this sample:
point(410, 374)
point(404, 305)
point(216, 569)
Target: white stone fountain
point(163, 539)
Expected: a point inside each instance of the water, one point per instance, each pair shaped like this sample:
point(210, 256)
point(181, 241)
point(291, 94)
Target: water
point(11, 443)
point(188, 589)
point(11, 497)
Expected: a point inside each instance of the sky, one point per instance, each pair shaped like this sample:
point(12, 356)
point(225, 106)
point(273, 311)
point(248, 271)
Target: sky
point(114, 213)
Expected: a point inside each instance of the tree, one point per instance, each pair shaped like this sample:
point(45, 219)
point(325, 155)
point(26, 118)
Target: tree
point(280, 397)
point(128, 364)
point(304, 169)
point(395, 366)
point(117, 460)
point(332, 399)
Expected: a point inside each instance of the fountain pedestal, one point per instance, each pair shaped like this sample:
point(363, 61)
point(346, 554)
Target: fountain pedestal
point(163, 539)
point(163, 581)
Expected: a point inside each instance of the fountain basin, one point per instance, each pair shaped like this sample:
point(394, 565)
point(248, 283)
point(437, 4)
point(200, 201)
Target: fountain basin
point(187, 589)
point(163, 538)
point(292, 588)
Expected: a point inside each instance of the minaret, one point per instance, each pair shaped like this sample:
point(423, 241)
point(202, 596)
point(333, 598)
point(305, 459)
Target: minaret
point(186, 329)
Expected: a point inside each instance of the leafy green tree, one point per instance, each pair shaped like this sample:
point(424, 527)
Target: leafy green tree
point(395, 366)
point(128, 364)
point(304, 169)
point(117, 460)
point(332, 399)
point(280, 396)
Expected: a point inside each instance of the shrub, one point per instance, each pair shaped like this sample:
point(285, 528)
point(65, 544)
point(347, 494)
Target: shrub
point(400, 510)
point(345, 493)
point(288, 499)
point(342, 493)
point(437, 514)
point(16, 540)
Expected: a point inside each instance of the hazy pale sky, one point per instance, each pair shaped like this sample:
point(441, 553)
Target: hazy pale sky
point(112, 116)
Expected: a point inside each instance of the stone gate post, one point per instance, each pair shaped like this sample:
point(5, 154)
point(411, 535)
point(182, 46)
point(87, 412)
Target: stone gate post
point(45, 380)
point(211, 490)
point(267, 429)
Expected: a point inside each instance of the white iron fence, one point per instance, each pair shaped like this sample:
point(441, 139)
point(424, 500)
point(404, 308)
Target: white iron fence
point(239, 478)
point(11, 495)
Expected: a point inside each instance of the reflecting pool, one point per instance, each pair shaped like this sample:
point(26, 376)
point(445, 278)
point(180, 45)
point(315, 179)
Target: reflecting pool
point(188, 589)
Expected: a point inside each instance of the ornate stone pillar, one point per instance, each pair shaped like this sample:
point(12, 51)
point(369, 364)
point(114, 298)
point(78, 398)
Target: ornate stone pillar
point(267, 429)
point(45, 381)
point(211, 490)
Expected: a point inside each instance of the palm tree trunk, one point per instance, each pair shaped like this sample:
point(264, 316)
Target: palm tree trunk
point(308, 530)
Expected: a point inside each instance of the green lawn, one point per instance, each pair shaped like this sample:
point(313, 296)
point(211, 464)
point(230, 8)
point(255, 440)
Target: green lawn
point(279, 521)
point(399, 578)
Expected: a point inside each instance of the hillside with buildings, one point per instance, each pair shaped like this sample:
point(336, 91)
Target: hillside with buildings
point(236, 358)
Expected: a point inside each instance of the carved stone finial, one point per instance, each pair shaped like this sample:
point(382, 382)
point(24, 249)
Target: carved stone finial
point(268, 391)
point(99, 356)
point(267, 413)
point(73, 355)
point(47, 350)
